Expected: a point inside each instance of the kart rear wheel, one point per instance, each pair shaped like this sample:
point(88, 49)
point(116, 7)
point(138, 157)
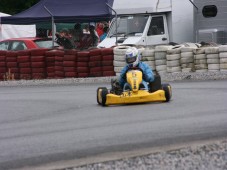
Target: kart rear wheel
point(99, 94)
point(168, 91)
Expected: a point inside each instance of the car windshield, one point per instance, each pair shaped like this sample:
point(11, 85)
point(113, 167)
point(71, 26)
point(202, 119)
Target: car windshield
point(129, 25)
point(47, 43)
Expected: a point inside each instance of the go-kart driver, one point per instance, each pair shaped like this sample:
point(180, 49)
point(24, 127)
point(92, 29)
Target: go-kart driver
point(133, 60)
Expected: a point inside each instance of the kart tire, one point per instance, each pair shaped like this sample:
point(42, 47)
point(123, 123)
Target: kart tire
point(168, 91)
point(99, 94)
point(104, 93)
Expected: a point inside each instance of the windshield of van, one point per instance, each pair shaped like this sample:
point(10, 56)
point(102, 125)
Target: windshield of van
point(129, 25)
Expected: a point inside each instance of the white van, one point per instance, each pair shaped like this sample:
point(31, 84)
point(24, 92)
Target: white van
point(150, 22)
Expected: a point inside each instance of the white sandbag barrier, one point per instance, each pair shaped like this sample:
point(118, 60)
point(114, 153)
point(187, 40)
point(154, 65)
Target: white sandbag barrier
point(213, 61)
point(223, 58)
point(119, 58)
point(187, 59)
point(160, 58)
point(177, 59)
point(173, 60)
point(148, 56)
point(200, 60)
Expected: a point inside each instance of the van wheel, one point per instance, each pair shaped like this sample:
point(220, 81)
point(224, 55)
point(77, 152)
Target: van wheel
point(99, 94)
point(168, 91)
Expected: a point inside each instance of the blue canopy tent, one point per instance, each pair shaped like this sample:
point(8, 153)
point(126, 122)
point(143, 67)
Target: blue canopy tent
point(64, 11)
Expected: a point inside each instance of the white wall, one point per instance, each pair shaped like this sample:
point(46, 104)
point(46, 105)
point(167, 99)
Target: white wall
point(182, 21)
point(16, 31)
point(142, 6)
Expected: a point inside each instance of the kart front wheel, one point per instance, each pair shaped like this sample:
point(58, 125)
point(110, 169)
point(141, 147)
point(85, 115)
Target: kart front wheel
point(99, 94)
point(103, 96)
point(168, 91)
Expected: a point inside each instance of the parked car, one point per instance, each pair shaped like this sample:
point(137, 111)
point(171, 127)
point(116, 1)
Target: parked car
point(16, 44)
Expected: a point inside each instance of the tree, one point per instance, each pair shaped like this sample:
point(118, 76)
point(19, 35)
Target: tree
point(13, 7)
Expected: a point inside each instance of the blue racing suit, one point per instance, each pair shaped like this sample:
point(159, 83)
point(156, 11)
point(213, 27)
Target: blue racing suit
point(148, 75)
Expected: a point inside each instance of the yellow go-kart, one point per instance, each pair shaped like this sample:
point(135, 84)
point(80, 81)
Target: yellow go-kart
point(134, 94)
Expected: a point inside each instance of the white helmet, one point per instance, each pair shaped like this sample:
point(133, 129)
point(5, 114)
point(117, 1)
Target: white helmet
point(132, 56)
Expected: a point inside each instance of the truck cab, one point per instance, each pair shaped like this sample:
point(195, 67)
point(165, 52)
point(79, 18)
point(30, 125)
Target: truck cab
point(137, 29)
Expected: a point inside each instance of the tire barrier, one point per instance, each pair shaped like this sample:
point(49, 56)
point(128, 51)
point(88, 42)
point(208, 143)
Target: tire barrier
point(160, 58)
point(200, 60)
point(223, 58)
point(2, 65)
point(173, 60)
point(24, 64)
point(52, 64)
point(119, 58)
point(148, 56)
point(12, 66)
point(38, 63)
point(70, 63)
point(187, 59)
point(83, 67)
point(213, 61)
point(107, 62)
point(95, 63)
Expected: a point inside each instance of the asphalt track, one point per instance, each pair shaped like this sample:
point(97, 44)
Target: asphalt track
point(44, 124)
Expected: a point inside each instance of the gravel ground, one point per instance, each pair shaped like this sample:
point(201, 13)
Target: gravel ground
point(201, 157)
point(165, 77)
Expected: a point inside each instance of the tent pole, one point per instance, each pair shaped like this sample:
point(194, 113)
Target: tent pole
point(115, 20)
point(52, 24)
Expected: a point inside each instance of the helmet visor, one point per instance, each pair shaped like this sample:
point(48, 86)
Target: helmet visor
point(130, 58)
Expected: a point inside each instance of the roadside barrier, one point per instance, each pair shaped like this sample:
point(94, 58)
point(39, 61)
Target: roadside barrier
point(59, 64)
point(55, 64)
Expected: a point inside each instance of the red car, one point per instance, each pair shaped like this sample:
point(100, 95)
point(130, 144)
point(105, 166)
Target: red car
point(16, 44)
